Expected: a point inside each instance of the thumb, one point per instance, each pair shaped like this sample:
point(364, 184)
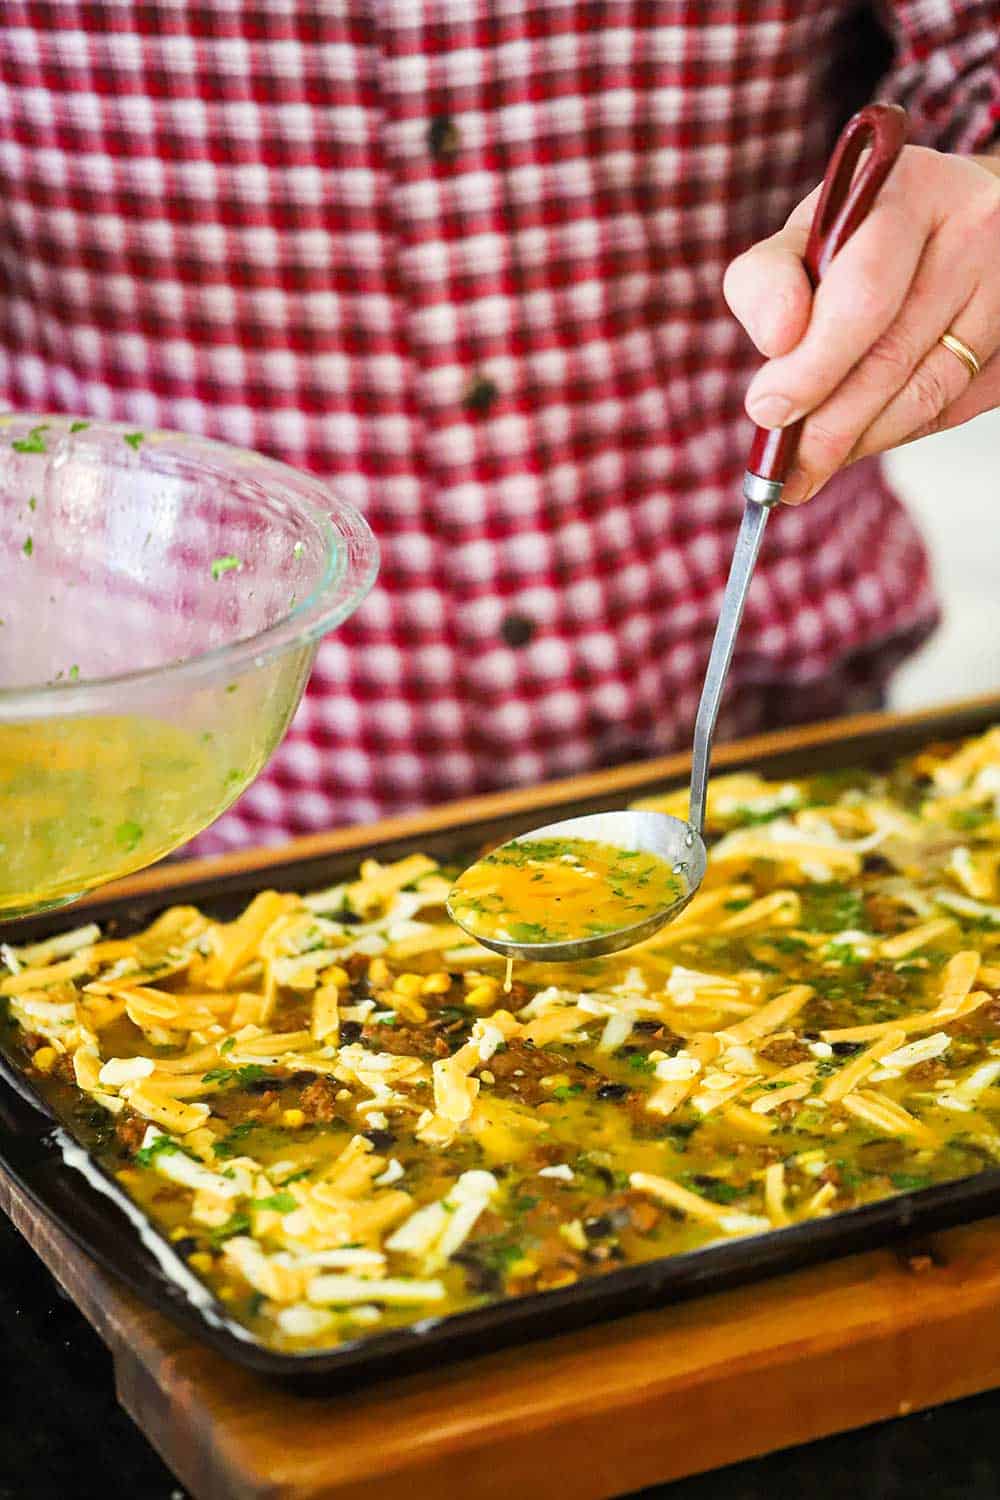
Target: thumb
point(767, 287)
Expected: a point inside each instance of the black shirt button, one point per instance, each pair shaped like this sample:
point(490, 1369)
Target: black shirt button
point(443, 139)
point(517, 630)
point(481, 395)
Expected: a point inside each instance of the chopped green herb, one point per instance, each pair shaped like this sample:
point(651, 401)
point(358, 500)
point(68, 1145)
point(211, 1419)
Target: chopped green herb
point(237, 1224)
point(909, 1182)
point(528, 932)
point(134, 439)
point(279, 1203)
point(128, 835)
point(223, 565)
point(28, 547)
point(567, 1091)
point(498, 1252)
point(233, 1143)
point(790, 945)
point(34, 442)
point(32, 503)
point(78, 426)
point(841, 953)
point(228, 1045)
point(161, 1145)
point(247, 1073)
point(712, 1188)
point(298, 549)
point(74, 672)
point(831, 907)
point(971, 817)
point(749, 817)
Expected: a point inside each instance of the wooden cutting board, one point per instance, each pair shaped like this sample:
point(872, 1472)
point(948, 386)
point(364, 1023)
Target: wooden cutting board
point(589, 1415)
point(583, 1417)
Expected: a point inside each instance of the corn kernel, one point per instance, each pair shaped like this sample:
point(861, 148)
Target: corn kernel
point(408, 984)
point(409, 1009)
point(227, 1293)
point(293, 1118)
point(336, 974)
point(44, 1059)
point(555, 1081)
point(181, 1232)
point(487, 1076)
point(201, 1261)
point(436, 984)
point(573, 1234)
point(378, 972)
point(525, 1266)
point(482, 995)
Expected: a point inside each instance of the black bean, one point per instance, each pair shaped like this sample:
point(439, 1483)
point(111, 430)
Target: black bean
point(380, 1139)
point(350, 1031)
point(613, 1091)
point(479, 1277)
point(846, 1049)
point(262, 1085)
point(599, 1227)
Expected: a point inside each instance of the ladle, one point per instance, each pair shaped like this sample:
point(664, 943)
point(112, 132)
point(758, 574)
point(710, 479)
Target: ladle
point(847, 194)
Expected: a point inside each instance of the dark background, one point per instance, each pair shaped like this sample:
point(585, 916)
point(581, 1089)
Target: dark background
point(64, 1437)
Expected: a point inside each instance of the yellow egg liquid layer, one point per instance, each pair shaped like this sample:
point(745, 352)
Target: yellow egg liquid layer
point(560, 890)
point(83, 801)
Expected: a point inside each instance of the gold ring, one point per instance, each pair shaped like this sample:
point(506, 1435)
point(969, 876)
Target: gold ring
point(963, 352)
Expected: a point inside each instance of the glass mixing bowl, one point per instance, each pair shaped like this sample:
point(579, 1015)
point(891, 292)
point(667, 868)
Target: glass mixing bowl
point(161, 601)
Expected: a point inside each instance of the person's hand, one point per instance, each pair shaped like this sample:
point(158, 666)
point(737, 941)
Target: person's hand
point(862, 356)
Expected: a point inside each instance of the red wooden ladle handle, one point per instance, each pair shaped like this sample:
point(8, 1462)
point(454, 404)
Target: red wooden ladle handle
point(844, 202)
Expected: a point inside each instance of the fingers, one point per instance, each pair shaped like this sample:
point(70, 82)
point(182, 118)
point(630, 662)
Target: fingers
point(941, 392)
point(854, 305)
point(866, 369)
point(899, 370)
point(767, 287)
point(980, 395)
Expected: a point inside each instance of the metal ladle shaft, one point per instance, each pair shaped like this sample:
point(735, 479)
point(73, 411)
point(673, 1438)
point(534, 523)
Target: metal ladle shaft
point(848, 192)
point(745, 553)
point(846, 196)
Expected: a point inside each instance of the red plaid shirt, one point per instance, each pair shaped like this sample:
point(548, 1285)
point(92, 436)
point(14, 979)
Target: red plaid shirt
point(464, 257)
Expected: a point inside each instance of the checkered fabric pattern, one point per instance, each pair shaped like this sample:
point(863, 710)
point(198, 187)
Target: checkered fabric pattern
point(464, 258)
